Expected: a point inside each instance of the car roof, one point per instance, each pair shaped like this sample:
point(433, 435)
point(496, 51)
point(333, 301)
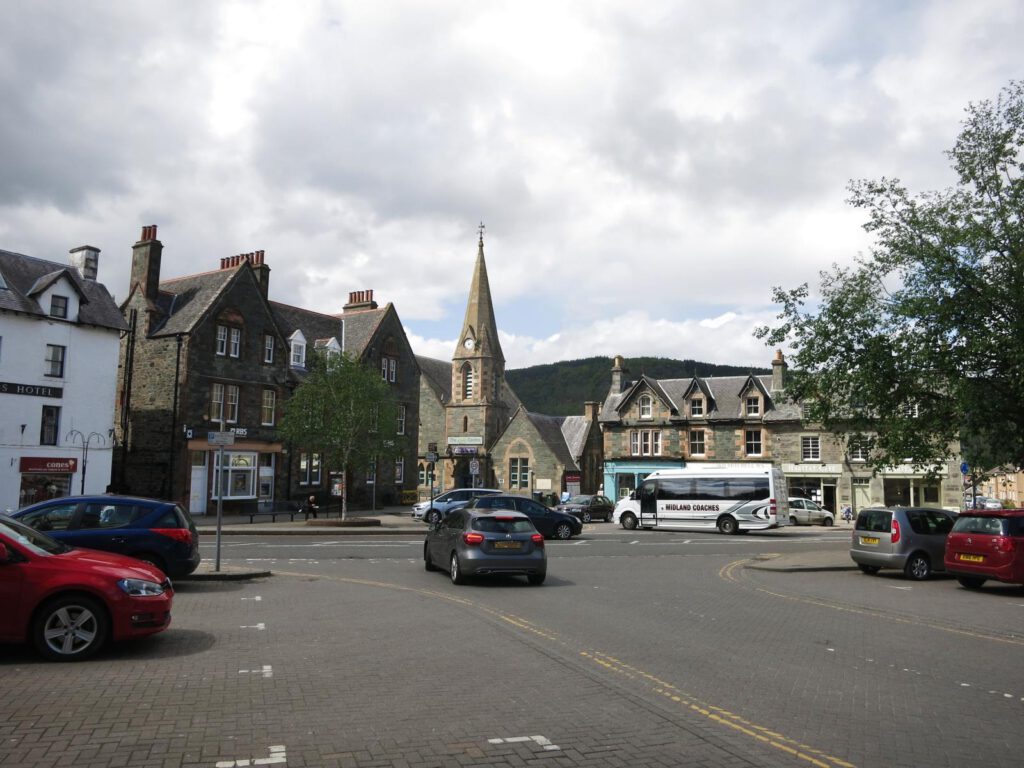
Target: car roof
point(491, 512)
point(100, 498)
point(992, 513)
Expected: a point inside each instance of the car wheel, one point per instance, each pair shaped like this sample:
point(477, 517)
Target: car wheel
point(869, 569)
point(70, 628)
point(456, 570)
point(727, 525)
point(155, 560)
point(428, 564)
point(433, 516)
point(563, 531)
point(536, 579)
point(586, 517)
point(628, 521)
point(918, 567)
point(827, 522)
point(792, 520)
point(970, 582)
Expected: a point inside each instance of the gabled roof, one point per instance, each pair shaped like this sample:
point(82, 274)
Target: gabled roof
point(184, 301)
point(654, 385)
point(548, 429)
point(438, 374)
point(24, 274)
point(360, 326)
point(575, 430)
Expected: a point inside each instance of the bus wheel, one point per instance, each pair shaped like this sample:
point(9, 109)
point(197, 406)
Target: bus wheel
point(628, 521)
point(727, 525)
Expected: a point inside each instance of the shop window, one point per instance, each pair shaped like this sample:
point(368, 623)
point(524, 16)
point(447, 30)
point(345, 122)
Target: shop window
point(309, 468)
point(238, 480)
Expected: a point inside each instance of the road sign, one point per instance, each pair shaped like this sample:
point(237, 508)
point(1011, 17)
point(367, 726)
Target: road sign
point(221, 438)
point(431, 456)
point(474, 467)
point(964, 468)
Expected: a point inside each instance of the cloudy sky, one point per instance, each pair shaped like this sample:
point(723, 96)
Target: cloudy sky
point(646, 172)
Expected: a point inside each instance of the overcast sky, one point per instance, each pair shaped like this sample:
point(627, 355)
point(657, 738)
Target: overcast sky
point(646, 171)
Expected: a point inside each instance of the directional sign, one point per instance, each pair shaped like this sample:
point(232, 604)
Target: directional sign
point(431, 456)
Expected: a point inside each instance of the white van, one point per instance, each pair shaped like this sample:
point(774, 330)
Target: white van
point(730, 498)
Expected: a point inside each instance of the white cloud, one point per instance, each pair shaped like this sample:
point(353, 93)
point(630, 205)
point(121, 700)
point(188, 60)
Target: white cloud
point(646, 172)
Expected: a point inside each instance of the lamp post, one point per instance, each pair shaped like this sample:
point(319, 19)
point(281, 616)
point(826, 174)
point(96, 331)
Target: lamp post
point(75, 436)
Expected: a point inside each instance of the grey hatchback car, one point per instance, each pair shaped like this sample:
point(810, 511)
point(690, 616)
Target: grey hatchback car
point(912, 539)
point(471, 542)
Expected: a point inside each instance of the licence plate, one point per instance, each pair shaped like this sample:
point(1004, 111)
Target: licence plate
point(971, 558)
point(508, 545)
point(869, 540)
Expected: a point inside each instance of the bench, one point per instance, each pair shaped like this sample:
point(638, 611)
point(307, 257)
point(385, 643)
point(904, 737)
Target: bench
point(275, 508)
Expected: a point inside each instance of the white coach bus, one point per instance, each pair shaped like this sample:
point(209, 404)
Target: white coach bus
point(731, 498)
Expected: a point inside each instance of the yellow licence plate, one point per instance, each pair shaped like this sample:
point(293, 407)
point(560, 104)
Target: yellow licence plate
point(508, 545)
point(971, 558)
point(868, 539)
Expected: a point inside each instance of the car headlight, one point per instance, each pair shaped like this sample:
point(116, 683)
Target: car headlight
point(140, 588)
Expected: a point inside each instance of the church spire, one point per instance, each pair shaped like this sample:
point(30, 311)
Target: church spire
point(479, 330)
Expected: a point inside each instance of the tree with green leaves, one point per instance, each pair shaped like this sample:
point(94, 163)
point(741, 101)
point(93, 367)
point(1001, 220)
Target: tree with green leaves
point(918, 348)
point(345, 412)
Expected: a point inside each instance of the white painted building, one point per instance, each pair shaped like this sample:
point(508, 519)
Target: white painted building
point(59, 341)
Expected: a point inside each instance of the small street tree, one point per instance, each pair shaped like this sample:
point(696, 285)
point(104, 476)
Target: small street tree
point(921, 343)
point(344, 411)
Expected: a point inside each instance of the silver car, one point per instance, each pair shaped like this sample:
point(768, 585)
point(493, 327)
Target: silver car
point(432, 511)
point(471, 542)
point(807, 512)
point(912, 539)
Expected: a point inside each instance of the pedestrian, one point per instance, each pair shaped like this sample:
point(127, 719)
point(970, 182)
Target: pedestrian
point(847, 513)
point(311, 507)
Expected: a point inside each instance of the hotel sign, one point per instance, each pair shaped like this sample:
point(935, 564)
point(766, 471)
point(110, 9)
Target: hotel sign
point(33, 390)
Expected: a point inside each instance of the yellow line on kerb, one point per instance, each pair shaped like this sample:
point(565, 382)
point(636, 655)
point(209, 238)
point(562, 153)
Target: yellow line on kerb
point(661, 687)
point(728, 573)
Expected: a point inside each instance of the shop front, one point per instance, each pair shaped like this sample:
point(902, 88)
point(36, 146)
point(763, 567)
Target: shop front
point(248, 474)
point(817, 482)
point(623, 477)
point(44, 478)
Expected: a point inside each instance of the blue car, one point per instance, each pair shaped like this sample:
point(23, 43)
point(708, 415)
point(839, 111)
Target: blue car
point(158, 532)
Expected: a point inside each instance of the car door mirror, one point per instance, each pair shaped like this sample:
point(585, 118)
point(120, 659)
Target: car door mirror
point(5, 554)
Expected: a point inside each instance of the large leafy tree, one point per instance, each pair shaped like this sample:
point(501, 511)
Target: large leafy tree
point(920, 344)
point(344, 411)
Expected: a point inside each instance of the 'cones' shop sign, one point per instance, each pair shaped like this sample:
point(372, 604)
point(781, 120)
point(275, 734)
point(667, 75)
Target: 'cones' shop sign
point(42, 465)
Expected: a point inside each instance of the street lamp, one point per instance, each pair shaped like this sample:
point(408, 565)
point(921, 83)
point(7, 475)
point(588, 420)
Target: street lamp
point(75, 436)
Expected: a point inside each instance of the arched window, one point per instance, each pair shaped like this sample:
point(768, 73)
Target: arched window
point(467, 381)
point(465, 423)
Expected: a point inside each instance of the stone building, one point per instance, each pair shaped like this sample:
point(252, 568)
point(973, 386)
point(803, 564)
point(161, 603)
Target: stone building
point(59, 337)
point(472, 420)
point(210, 353)
point(651, 424)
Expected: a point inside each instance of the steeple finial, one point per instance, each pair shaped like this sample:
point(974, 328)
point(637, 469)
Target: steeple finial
point(480, 229)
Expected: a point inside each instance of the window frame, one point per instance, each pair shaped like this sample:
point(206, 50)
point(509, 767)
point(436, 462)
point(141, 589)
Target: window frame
point(55, 365)
point(810, 448)
point(697, 407)
point(231, 407)
point(217, 388)
point(270, 407)
point(753, 438)
point(48, 426)
point(401, 419)
point(235, 343)
point(645, 406)
point(692, 440)
point(222, 341)
point(268, 348)
point(55, 302)
point(752, 406)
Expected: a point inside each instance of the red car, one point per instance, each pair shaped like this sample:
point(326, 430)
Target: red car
point(986, 544)
point(68, 602)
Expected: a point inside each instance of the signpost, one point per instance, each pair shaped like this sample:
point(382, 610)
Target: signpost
point(220, 439)
point(431, 458)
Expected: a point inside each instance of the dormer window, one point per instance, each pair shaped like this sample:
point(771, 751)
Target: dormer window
point(753, 406)
point(59, 306)
point(697, 406)
point(297, 345)
point(645, 407)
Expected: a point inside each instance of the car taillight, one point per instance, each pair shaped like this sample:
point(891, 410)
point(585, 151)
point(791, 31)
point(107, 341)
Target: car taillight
point(772, 508)
point(184, 535)
point(537, 539)
point(895, 530)
point(473, 538)
point(1003, 544)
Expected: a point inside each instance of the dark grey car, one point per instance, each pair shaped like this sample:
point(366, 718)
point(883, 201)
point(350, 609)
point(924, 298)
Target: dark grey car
point(471, 542)
point(912, 539)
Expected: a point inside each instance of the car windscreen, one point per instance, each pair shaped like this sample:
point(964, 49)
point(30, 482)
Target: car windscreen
point(39, 543)
point(875, 520)
point(503, 525)
point(980, 524)
point(581, 500)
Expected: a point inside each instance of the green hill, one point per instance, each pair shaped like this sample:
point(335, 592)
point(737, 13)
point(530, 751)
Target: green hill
point(560, 389)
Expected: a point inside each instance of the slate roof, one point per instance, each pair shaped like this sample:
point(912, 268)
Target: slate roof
point(438, 374)
point(24, 276)
point(575, 430)
point(315, 326)
point(726, 393)
point(184, 301)
point(549, 428)
point(360, 325)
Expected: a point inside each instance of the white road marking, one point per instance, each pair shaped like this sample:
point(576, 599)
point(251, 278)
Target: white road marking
point(266, 671)
point(277, 755)
point(892, 586)
point(260, 627)
point(257, 598)
point(541, 741)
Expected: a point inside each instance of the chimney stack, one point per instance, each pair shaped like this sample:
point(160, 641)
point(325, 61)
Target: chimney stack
point(360, 300)
point(146, 262)
point(86, 259)
point(591, 409)
point(779, 372)
point(617, 371)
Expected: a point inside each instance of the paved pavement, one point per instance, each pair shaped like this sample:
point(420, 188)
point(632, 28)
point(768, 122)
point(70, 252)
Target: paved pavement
point(396, 521)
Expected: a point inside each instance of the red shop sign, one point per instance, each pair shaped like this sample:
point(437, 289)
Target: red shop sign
point(39, 465)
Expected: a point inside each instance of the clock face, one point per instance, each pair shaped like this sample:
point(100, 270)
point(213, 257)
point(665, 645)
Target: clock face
point(468, 344)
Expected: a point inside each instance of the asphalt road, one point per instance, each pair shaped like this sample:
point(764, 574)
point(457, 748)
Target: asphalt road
point(641, 649)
